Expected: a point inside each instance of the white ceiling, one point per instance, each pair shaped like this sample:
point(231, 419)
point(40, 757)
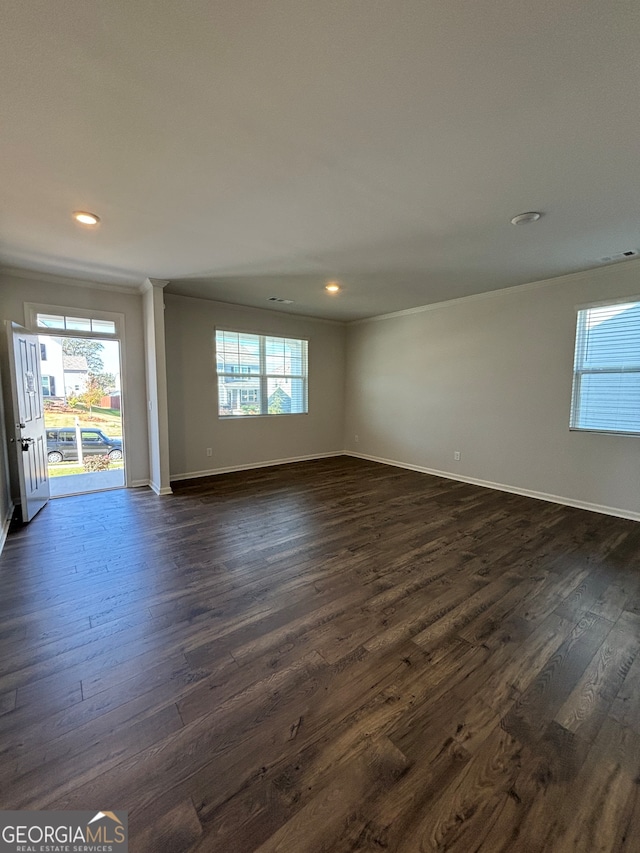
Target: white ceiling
point(245, 149)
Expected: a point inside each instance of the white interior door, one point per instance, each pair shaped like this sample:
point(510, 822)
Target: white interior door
point(30, 434)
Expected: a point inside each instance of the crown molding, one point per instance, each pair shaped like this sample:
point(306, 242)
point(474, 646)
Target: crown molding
point(150, 283)
point(307, 318)
point(556, 281)
point(54, 278)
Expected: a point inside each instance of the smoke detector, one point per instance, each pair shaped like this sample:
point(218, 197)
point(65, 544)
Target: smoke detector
point(525, 218)
point(619, 256)
point(280, 300)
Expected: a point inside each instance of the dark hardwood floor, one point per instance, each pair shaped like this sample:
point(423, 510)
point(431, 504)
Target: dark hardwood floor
point(328, 656)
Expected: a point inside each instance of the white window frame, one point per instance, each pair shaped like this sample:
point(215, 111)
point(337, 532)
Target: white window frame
point(261, 376)
point(31, 311)
point(579, 370)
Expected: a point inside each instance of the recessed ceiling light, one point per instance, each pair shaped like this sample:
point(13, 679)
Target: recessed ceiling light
point(332, 287)
point(85, 218)
point(523, 218)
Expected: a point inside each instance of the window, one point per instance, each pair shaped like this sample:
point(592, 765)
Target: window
point(75, 324)
point(260, 375)
point(606, 374)
point(55, 320)
point(43, 352)
point(49, 386)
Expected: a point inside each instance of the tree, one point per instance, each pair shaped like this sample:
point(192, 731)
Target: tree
point(105, 381)
point(92, 394)
point(279, 402)
point(89, 349)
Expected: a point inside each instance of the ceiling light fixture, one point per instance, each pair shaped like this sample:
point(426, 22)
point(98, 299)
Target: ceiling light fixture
point(523, 218)
point(85, 218)
point(332, 287)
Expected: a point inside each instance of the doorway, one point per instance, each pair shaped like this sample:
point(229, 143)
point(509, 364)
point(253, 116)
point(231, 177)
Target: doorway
point(83, 410)
point(82, 390)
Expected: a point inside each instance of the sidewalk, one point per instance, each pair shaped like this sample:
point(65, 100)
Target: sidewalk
point(77, 484)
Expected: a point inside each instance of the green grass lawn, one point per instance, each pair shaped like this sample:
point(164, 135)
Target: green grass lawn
point(63, 469)
point(108, 420)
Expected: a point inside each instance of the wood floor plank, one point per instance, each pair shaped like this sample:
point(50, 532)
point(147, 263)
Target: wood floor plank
point(322, 822)
point(455, 619)
point(335, 729)
point(177, 830)
point(540, 802)
point(229, 726)
point(337, 726)
point(72, 758)
point(8, 702)
point(540, 702)
point(603, 796)
point(587, 706)
point(89, 718)
point(464, 813)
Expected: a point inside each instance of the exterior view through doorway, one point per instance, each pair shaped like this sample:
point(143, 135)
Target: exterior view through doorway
point(82, 396)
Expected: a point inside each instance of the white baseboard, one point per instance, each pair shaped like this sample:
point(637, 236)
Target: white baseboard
point(147, 484)
point(502, 487)
point(160, 490)
point(212, 472)
point(4, 529)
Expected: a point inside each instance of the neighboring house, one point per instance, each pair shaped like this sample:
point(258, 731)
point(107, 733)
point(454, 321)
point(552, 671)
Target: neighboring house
point(76, 372)
point(51, 366)
point(239, 388)
point(239, 381)
point(62, 375)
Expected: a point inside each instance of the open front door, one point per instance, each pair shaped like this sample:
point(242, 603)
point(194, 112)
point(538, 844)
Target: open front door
point(30, 434)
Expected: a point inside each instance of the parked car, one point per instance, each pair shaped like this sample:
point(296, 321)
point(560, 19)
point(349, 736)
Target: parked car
point(61, 444)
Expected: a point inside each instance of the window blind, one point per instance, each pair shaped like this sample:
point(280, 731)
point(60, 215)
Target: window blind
point(606, 375)
point(260, 374)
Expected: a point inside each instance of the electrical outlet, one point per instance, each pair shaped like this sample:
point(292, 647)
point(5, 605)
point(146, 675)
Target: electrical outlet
point(456, 455)
point(209, 451)
point(356, 438)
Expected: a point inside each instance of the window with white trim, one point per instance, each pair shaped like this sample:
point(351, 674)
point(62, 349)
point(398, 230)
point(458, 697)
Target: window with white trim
point(58, 320)
point(606, 373)
point(48, 386)
point(260, 374)
point(75, 324)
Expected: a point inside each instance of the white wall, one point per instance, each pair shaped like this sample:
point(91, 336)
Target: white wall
point(48, 290)
point(156, 372)
point(491, 377)
point(193, 417)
